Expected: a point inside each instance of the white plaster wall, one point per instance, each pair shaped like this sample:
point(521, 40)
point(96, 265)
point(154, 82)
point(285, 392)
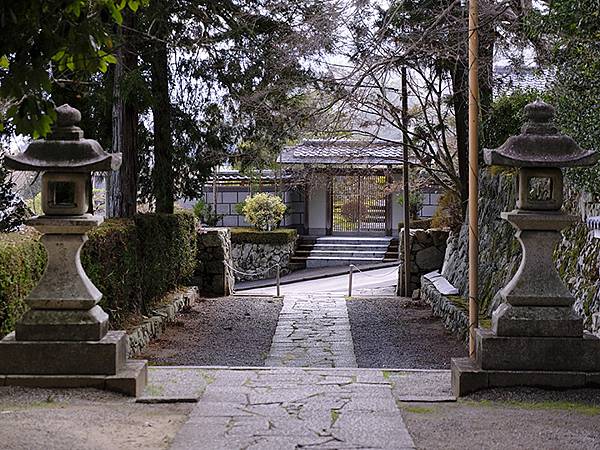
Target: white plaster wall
point(397, 213)
point(317, 214)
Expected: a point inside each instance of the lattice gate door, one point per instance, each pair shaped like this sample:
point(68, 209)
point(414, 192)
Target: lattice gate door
point(359, 204)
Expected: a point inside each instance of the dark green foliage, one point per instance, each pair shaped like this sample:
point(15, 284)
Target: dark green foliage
point(42, 42)
point(133, 262)
point(110, 259)
point(505, 117)
point(255, 236)
point(205, 214)
point(22, 262)
point(567, 35)
point(167, 252)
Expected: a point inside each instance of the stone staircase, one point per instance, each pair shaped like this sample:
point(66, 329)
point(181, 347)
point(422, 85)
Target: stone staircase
point(327, 251)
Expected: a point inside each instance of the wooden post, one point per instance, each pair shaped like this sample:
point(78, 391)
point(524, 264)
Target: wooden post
point(405, 188)
point(473, 175)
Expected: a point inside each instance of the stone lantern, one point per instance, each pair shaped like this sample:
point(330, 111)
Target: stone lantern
point(536, 339)
point(63, 340)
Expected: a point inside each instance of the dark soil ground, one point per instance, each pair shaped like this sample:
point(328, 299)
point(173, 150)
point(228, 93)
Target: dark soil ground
point(225, 331)
point(397, 332)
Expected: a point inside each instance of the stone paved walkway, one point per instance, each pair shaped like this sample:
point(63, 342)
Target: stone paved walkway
point(313, 331)
point(311, 395)
point(292, 408)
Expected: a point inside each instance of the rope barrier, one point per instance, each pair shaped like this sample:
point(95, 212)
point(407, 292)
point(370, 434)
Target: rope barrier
point(261, 272)
point(394, 270)
point(351, 274)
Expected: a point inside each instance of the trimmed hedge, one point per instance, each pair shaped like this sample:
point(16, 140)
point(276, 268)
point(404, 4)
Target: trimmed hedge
point(167, 252)
point(22, 263)
point(133, 262)
point(110, 259)
point(254, 236)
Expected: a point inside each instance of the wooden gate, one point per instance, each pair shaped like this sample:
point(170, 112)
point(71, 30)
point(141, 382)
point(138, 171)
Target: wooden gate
point(359, 204)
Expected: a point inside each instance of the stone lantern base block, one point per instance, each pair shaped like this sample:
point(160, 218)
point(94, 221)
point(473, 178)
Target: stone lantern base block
point(537, 353)
point(540, 321)
point(130, 380)
point(104, 357)
point(62, 325)
point(468, 377)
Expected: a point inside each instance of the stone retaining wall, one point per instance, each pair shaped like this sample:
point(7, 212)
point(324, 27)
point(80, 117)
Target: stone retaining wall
point(153, 326)
point(256, 258)
point(427, 250)
point(452, 313)
point(213, 274)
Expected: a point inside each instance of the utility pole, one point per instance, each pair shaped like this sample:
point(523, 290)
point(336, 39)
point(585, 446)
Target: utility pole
point(405, 193)
point(473, 175)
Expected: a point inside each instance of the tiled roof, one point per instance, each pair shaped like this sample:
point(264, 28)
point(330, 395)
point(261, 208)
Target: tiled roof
point(343, 152)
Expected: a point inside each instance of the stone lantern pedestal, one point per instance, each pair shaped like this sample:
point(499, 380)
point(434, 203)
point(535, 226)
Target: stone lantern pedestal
point(536, 339)
point(63, 340)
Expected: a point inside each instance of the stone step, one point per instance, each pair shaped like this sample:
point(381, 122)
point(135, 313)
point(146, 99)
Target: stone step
point(340, 253)
point(319, 261)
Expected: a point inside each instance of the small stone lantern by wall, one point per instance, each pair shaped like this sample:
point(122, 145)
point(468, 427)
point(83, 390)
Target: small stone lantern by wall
point(63, 340)
point(537, 339)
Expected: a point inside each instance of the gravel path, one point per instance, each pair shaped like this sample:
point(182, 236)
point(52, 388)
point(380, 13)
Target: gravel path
point(400, 333)
point(506, 419)
point(225, 331)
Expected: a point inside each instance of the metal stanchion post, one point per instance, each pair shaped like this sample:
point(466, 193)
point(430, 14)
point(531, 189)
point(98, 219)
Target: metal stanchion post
point(278, 280)
point(350, 281)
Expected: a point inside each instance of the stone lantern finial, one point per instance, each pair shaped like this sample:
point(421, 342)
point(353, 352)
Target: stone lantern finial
point(67, 116)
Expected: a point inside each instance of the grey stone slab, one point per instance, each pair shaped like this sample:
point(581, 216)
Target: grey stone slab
point(104, 357)
point(288, 409)
point(537, 353)
point(541, 321)
point(130, 380)
point(467, 377)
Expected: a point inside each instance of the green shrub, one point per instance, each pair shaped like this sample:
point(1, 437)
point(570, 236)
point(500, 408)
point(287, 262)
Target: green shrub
point(22, 263)
point(264, 211)
point(254, 236)
point(205, 214)
point(415, 203)
point(448, 213)
point(167, 252)
point(110, 259)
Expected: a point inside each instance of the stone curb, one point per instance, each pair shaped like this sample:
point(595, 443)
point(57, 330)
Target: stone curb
point(455, 319)
point(153, 326)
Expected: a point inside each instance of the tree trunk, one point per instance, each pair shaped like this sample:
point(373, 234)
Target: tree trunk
point(121, 189)
point(460, 99)
point(162, 173)
point(158, 57)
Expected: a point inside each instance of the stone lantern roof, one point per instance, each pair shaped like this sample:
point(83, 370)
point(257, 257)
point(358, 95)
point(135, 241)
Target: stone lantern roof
point(65, 149)
point(540, 144)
